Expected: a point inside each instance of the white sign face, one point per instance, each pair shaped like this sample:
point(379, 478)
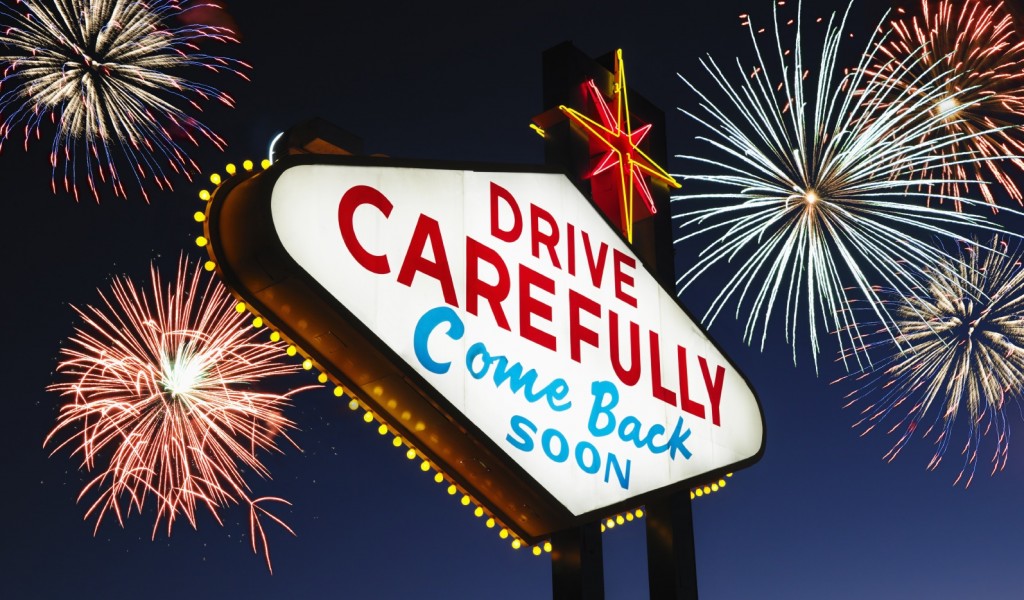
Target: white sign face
point(516, 301)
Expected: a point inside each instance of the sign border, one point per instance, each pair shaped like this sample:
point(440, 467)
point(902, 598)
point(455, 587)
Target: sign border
point(245, 247)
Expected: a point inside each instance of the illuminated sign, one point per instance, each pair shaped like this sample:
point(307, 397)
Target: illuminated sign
point(614, 132)
point(495, 319)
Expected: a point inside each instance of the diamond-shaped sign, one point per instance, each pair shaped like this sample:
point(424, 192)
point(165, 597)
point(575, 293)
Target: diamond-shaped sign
point(497, 321)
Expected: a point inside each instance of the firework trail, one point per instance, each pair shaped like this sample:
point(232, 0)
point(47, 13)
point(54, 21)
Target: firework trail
point(102, 71)
point(161, 402)
point(808, 187)
point(962, 343)
point(981, 57)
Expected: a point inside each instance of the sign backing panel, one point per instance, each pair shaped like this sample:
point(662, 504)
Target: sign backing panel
point(498, 321)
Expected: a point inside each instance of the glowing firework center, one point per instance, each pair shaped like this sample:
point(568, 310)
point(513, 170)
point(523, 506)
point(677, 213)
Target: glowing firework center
point(537, 360)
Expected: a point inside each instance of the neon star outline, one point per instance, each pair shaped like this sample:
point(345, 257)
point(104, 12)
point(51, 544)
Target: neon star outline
point(623, 146)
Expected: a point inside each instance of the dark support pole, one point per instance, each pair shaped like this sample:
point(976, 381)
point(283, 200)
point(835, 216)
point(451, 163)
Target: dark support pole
point(577, 564)
point(577, 568)
point(671, 559)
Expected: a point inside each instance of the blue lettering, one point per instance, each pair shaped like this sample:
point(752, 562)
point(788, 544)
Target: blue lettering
point(613, 461)
point(555, 392)
point(563, 445)
point(595, 457)
point(520, 425)
point(602, 390)
point(426, 325)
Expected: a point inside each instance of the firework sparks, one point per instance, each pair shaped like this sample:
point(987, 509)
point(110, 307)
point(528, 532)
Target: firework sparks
point(981, 56)
point(809, 191)
point(101, 72)
point(161, 402)
point(963, 350)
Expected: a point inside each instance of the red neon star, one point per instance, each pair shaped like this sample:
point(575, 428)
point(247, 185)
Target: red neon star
point(615, 132)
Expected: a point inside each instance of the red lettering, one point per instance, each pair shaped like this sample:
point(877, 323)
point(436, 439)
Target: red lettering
point(632, 375)
point(685, 403)
point(539, 238)
point(714, 388)
point(476, 288)
point(530, 307)
point(570, 256)
point(351, 200)
point(622, 278)
point(596, 267)
point(659, 392)
point(516, 229)
point(577, 332)
point(428, 231)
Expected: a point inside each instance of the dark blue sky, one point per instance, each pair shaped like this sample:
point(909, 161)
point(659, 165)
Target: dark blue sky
point(821, 516)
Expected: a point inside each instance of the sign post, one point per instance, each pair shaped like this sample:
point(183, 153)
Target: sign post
point(583, 147)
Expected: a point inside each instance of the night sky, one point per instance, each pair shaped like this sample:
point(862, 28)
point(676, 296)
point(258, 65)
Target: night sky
point(820, 516)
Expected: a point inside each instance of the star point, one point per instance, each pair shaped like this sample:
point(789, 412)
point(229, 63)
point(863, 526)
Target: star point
point(613, 130)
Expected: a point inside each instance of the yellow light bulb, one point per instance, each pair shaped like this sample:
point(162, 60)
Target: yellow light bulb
point(396, 442)
point(275, 336)
point(257, 322)
point(210, 265)
point(307, 364)
point(699, 492)
point(692, 495)
point(452, 490)
point(479, 512)
point(199, 216)
point(707, 490)
point(215, 179)
point(230, 168)
point(247, 165)
point(536, 551)
point(516, 544)
point(619, 520)
point(353, 404)
point(240, 307)
point(547, 546)
point(368, 417)
point(204, 195)
point(321, 378)
point(503, 534)
point(639, 513)
point(439, 477)
point(201, 242)
point(411, 454)
point(291, 351)
point(465, 500)
point(265, 163)
point(383, 429)
point(490, 523)
point(721, 483)
point(609, 524)
point(424, 466)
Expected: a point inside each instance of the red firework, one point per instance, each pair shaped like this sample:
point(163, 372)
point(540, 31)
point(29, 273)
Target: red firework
point(974, 50)
point(161, 402)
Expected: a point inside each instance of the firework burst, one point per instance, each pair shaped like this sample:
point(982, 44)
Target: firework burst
point(161, 402)
point(102, 71)
point(962, 341)
point(808, 189)
point(974, 45)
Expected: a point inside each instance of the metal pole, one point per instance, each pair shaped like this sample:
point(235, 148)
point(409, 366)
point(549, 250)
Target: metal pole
point(671, 559)
point(577, 564)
